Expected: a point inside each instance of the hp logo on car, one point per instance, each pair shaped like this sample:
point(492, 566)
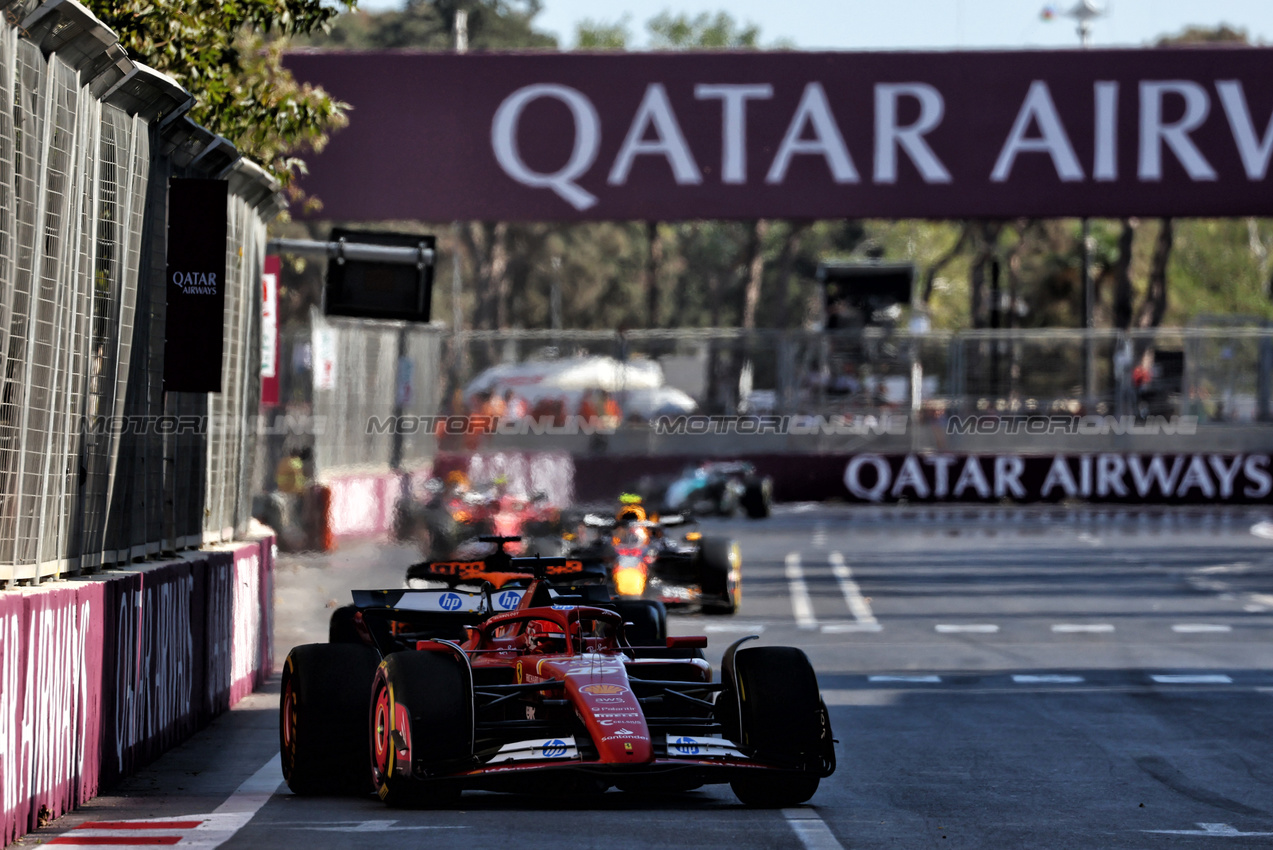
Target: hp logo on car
point(508, 600)
point(554, 749)
point(686, 746)
point(450, 602)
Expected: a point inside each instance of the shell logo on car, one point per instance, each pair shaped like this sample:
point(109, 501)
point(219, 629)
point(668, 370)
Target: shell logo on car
point(603, 690)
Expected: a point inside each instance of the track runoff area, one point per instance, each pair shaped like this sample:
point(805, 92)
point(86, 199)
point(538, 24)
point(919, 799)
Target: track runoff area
point(996, 678)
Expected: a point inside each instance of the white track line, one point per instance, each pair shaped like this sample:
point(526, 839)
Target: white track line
point(801, 605)
point(1194, 628)
point(1046, 679)
point(975, 628)
point(1263, 529)
point(917, 680)
point(1198, 679)
point(213, 830)
point(845, 628)
point(813, 833)
point(863, 616)
point(748, 628)
point(1082, 628)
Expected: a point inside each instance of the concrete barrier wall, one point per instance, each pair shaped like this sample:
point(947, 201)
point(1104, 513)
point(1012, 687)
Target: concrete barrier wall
point(100, 675)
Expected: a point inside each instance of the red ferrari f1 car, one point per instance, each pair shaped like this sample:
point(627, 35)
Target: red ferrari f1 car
point(444, 691)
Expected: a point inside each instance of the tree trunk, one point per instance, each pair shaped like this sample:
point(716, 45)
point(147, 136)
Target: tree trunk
point(1122, 276)
point(653, 262)
point(786, 262)
point(755, 271)
point(1154, 307)
point(930, 277)
point(501, 285)
point(987, 233)
point(487, 244)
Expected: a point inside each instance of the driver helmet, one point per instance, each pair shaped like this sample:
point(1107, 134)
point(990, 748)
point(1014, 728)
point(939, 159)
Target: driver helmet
point(545, 636)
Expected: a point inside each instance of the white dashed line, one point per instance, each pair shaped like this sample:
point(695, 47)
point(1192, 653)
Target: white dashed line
point(1071, 628)
point(858, 606)
point(919, 680)
point(1263, 529)
point(1046, 679)
point(813, 833)
point(1212, 829)
point(749, 628)
point(801, 605)
point(1193, 679)
point(843, 628)
point(1196, 628)
point(976, 628)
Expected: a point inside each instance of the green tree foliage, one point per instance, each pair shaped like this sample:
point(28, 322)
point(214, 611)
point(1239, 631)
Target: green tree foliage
point(704, 32)
point(228, 55)
point(430, 25)
point(594, 35)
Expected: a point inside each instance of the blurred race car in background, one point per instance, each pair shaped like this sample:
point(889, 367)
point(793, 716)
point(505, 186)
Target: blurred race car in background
point(450, 513)
point(716, 488)
point(439, 691)
point(645, 559)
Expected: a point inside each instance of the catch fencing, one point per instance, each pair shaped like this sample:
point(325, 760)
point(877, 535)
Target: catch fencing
point(98, 465)
point(1219, 374)
point(347, 376)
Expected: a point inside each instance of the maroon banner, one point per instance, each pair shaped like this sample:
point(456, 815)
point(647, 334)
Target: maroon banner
point(1184, 479)
point(218, 632)
point(153, 666)
point(1151, 132)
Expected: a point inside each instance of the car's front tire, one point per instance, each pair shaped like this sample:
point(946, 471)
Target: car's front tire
point(421, 717)
point(774, 712)
point(720, 576)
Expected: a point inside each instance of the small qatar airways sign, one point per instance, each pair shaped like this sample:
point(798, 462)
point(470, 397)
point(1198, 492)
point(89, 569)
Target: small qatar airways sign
point(542, 136)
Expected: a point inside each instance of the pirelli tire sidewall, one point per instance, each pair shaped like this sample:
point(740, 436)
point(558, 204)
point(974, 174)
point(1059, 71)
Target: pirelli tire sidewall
point(421, 726)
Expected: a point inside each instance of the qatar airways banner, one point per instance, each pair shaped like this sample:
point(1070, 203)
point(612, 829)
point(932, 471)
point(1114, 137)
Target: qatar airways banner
point(1149, 132)
point(931, 477)
point(1104, 477)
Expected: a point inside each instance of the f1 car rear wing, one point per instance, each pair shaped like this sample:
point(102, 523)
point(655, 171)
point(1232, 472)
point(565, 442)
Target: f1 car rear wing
point(467, 603)
point(464, 572)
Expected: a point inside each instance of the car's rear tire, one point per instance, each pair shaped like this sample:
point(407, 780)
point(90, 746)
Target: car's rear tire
point(720, 575)
point(781, 721)
point(757, 497)
point(323, 718)
point(648, 618)
point(423, 699)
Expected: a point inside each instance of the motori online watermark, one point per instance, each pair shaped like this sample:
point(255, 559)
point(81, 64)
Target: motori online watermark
point(204, 425)
point(463, 425)
point(1092, 425)
point(797, 425)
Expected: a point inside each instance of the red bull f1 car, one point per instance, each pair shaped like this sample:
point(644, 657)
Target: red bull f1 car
point(444, 692)
point(647, 558)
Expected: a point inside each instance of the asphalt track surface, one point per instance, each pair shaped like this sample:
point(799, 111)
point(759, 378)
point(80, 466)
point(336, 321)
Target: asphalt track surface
point(997, 679)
